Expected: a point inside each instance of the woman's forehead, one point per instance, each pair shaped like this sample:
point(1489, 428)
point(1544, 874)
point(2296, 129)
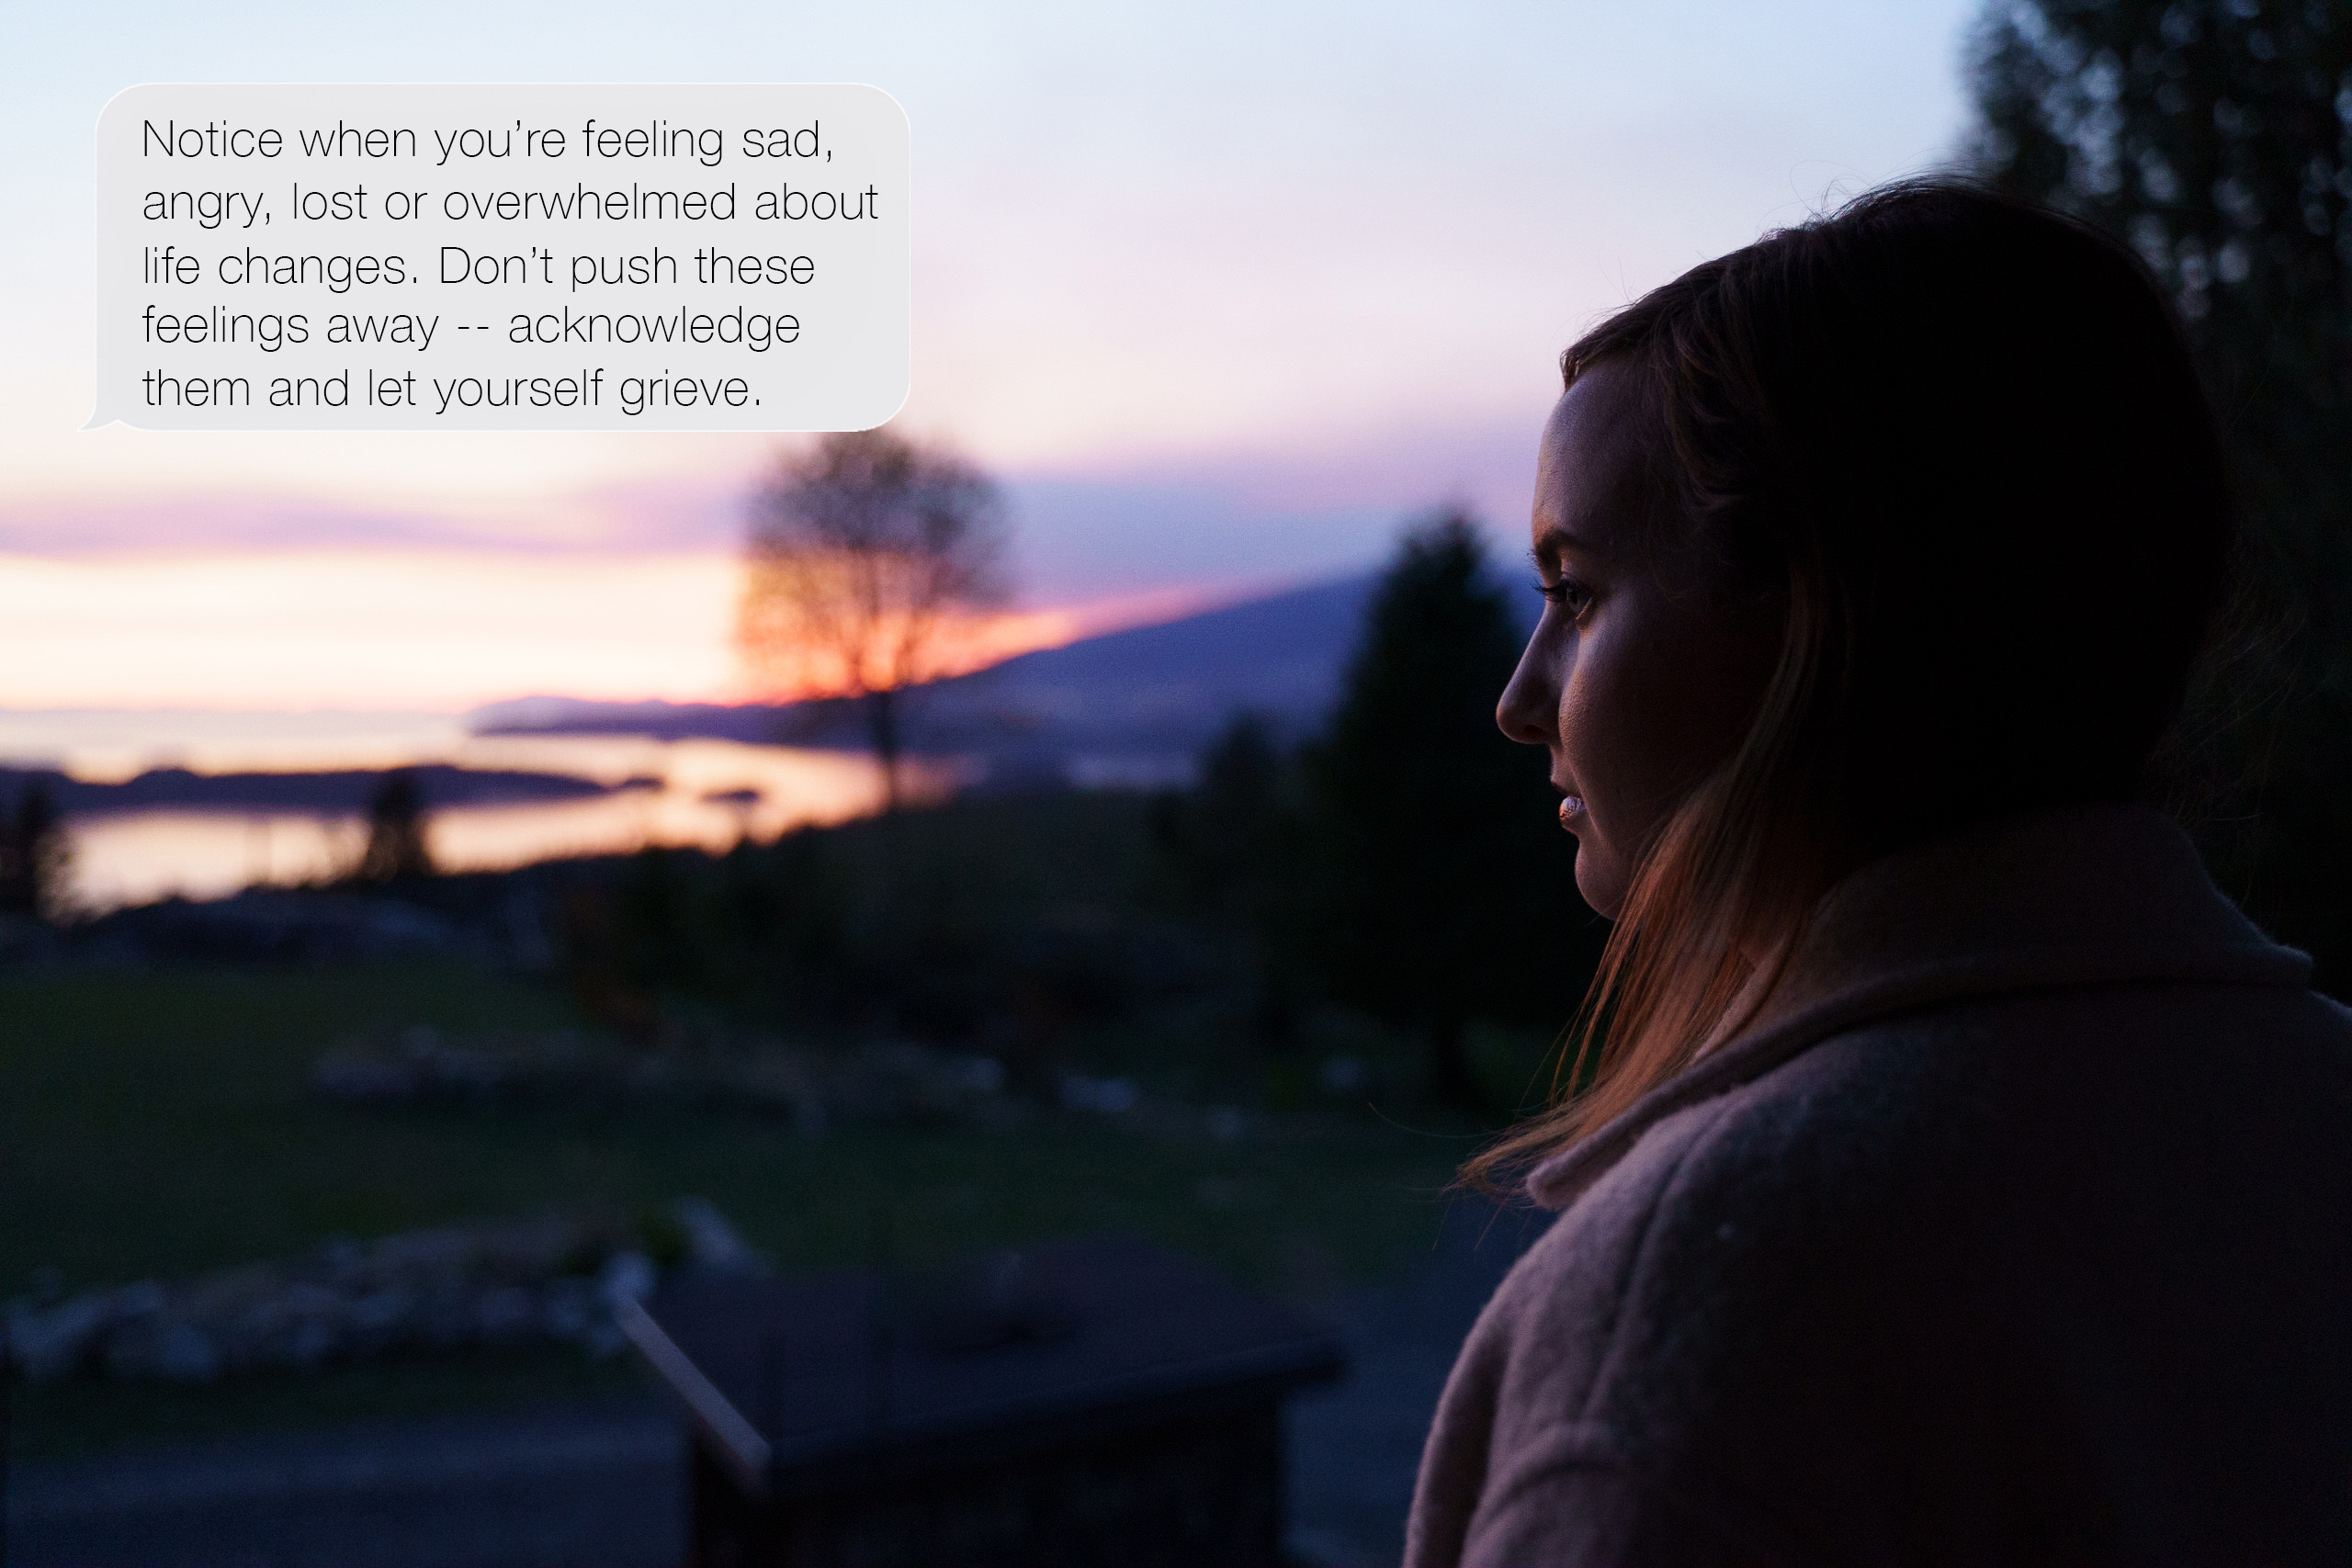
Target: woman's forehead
point(1591, 477)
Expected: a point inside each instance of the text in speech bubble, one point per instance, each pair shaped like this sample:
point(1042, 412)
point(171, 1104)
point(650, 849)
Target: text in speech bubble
point(632, 258)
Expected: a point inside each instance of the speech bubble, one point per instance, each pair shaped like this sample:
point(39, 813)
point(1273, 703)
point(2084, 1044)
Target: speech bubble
point(501, 257)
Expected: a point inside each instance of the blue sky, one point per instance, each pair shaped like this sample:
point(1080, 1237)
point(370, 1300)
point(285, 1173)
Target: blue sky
point(1219, 290)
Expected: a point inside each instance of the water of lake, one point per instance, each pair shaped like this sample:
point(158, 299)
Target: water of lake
point(705, 793)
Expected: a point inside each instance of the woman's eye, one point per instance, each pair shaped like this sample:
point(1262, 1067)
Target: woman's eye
point(1569, 595)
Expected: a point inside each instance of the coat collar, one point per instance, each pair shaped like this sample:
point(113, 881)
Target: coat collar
point(2070, 895)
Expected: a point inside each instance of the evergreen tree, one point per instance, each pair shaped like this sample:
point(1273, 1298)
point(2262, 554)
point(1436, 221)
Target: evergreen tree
point(2216, 137)
point(396, 849)
point(1238, 843)
point(35, 855)
point(1449, 889)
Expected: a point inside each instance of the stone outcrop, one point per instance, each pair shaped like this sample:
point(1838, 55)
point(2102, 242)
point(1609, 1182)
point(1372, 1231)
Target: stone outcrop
point(517, 1282)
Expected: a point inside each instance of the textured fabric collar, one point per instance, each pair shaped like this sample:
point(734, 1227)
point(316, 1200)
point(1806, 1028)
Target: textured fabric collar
point(2073, 896)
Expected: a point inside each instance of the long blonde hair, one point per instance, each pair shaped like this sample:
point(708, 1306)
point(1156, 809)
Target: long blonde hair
point(1960, 441)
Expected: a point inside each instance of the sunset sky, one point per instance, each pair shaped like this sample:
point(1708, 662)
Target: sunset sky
point(1219, 291)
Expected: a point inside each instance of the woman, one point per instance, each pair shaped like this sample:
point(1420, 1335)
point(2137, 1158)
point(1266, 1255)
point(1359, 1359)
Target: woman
point(1963, 1179)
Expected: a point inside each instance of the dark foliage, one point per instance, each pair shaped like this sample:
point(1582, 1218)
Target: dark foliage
point(1239, 846)
point(35, 854)
point(2216, 137)
point(997, 926)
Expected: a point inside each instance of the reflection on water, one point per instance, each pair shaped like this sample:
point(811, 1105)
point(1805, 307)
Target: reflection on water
point(705, 793)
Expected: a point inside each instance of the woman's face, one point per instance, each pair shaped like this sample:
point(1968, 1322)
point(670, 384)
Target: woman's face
point(1646, 668)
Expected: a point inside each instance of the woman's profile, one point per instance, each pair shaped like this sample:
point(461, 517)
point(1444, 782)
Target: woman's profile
point(1960, 1179)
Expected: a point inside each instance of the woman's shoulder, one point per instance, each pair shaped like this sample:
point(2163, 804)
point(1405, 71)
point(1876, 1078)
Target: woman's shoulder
point(2051, 1097)
point(1993, 1152)
point(2165, 1153)
point(2018, 1218)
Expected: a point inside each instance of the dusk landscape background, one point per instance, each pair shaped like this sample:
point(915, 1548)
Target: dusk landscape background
point(427, 932)
point(1217, 294)
point(1218, 298)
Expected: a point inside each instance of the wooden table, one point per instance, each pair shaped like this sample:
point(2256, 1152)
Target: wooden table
point(1091, 1402)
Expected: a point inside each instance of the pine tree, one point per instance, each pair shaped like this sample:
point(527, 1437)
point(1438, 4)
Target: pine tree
point(1449, 887)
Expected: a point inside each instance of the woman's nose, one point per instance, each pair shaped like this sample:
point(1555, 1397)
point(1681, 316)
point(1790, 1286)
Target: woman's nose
point(1528, 707)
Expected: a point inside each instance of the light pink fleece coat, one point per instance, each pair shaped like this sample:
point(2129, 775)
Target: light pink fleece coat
point(2018, 1231)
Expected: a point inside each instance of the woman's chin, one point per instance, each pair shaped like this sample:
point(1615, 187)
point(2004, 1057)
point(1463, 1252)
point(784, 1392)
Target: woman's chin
point(1595, 885)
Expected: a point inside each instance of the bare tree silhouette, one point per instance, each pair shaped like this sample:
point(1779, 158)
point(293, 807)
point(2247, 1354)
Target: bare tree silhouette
point(868, 554)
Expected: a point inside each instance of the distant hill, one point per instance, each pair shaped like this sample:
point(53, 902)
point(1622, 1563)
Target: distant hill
point(1129, 705)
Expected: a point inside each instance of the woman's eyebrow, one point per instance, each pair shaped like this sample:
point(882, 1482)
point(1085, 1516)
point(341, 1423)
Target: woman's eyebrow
point(1558, 537)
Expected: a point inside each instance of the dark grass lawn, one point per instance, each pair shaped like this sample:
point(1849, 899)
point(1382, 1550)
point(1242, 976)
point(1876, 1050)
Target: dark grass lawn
point(154, 1124)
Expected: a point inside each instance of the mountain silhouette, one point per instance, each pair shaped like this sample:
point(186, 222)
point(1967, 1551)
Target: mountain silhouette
point(1136, 702)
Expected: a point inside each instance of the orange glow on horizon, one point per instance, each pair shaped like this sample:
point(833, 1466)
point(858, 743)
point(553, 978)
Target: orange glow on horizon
point(963, 644)
point(422, 630)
